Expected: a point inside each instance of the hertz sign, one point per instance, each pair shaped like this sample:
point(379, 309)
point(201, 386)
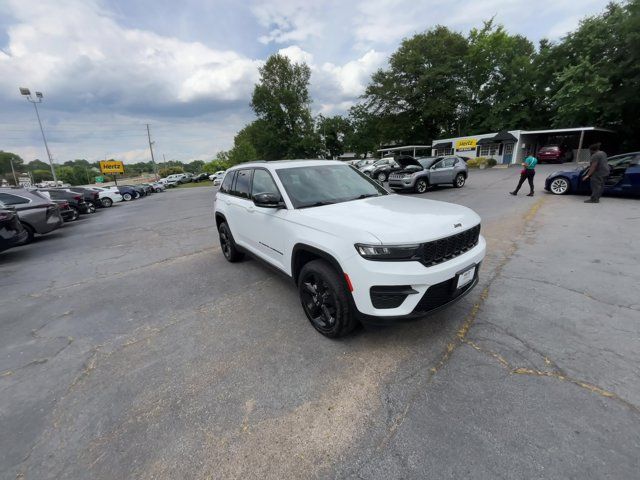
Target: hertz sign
point(466, 145)
point(111, 166)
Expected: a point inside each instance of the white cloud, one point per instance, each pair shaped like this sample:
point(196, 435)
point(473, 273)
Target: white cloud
point(73, 48)
point(297, 54)
point(353, 76)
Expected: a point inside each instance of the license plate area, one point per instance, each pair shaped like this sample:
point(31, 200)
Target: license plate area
point(464, 277)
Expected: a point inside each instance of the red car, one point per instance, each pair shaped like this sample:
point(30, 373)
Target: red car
point(551, 153)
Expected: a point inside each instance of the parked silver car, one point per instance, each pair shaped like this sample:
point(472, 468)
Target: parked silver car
point(418, 174)
point(37, 213)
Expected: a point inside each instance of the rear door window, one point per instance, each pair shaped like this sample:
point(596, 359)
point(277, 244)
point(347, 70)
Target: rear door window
point(9, 199)
point(242, 187)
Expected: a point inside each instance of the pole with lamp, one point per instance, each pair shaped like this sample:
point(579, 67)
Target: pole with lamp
point(27, 94)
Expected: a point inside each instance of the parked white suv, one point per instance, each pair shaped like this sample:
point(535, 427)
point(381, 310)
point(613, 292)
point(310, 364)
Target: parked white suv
point(355, 251)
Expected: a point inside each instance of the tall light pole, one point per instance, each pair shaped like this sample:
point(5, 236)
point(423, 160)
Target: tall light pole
point(27, 94)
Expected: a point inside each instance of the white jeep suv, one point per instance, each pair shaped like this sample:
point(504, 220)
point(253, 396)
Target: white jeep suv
point(354, 250)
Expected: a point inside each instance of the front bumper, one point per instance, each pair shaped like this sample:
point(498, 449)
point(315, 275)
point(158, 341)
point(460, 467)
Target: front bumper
point(432, 286)
point(402, 183)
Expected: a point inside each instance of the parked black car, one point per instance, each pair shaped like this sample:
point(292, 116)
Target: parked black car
point(12, 233)
point(382, 172)
point(90, 195)
point(148, 188)
point(68, 214)
point(200, 177)
point(76, 200)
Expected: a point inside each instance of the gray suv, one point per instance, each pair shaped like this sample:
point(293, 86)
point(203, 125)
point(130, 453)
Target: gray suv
point(418, 174)
point(36, 213)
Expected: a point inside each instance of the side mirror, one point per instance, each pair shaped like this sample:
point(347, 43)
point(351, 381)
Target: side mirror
point(268, 200)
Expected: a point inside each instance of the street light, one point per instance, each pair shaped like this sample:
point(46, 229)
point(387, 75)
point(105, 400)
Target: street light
point(27, 94)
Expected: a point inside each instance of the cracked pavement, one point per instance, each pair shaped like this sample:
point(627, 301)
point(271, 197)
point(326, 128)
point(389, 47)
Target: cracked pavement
point(130, 348)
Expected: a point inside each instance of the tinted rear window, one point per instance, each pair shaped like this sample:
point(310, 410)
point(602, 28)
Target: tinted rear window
point(242, 187)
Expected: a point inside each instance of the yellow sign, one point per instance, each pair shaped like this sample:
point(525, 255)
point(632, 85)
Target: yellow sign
point(466, 145)
point(112, 166)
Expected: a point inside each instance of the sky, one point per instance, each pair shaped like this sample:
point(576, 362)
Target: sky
point(109, 67)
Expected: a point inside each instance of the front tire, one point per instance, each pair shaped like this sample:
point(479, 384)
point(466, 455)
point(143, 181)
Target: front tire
point(127, 197)
point(325, 299)
point(559, 186)
point(459, 181)
point(107, 202)
point(382, 177)
point(136, 195)
point(421, 186)
point(228, 245)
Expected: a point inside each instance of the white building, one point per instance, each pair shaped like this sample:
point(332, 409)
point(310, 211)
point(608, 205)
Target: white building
point(512, 146)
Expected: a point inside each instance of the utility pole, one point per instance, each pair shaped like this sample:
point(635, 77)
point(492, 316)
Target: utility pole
point(15, 180)
point(153, 160)
point(26, 93)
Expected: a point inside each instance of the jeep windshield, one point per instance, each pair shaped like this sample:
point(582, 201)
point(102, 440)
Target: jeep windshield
point(319, 185)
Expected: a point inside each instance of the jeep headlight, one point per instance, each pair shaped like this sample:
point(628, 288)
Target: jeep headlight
point(388, 252)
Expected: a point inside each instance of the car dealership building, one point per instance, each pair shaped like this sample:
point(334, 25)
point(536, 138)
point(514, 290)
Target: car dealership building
point(512, 146)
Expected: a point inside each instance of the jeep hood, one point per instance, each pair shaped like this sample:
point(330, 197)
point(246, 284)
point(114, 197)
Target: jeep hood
point(392, 219)
point(404, 162)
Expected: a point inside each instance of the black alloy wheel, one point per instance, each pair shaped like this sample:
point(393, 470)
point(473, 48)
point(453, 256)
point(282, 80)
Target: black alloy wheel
point(75, 215)
point(228, 246)
point(325, 299)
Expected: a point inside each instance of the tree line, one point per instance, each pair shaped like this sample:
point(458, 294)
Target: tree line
point(441, 83)
point(82, 172)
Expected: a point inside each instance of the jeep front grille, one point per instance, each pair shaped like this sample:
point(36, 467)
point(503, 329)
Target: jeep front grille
point(439, 251)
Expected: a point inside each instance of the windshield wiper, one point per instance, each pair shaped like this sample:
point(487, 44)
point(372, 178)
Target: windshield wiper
point(317, 204)
point(366, 195)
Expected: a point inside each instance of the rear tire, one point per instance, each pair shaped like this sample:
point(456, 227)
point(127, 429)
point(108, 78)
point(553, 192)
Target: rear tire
point(459, 181)
point(75, 215)
point(30, 233)
point(325, 299)
point(382, 177)
point(228, 245)
point(107, 202)
point(421, 186)
point(127, 197)
point(136, 195)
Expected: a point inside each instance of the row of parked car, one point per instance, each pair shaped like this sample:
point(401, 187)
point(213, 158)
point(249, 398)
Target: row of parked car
point(180, 178)
point(27, 212)
point(416, 174)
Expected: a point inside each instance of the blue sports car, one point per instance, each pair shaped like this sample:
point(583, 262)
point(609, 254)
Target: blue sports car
point(624, 178)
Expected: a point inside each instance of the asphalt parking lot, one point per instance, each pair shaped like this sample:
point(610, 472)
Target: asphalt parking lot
point(129, 348)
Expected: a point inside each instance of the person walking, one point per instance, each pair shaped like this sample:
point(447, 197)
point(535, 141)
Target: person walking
point(598, 171)
point(527, 173)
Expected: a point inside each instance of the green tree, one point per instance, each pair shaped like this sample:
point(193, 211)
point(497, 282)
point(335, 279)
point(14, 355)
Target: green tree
point(500, 81)
point(165, 172)
point(194, 166)
point(364, 136)
point(333, 132)
point(41, 175)
point(418, 97)
point(281, 101)
point(5, 163)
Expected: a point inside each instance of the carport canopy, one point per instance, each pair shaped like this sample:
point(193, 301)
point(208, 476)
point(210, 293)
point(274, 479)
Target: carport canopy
point(404, 148)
